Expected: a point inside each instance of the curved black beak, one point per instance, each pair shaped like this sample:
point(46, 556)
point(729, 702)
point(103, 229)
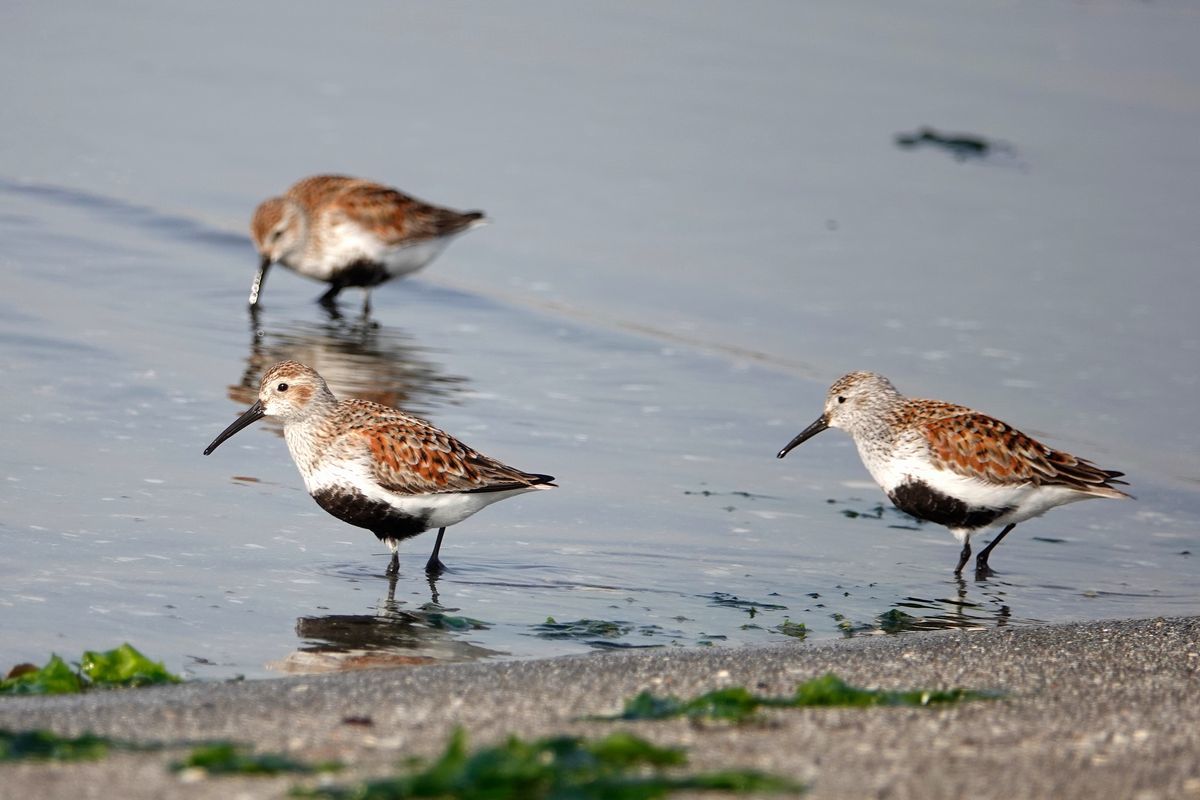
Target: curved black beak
point(252, 414)
point(260, 276)
point(804, 435)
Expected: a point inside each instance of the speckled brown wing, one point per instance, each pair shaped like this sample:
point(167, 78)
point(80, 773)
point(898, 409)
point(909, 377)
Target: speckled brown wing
point(975, 445)
point(411, 456)
point(397, 218)
point(317, 190)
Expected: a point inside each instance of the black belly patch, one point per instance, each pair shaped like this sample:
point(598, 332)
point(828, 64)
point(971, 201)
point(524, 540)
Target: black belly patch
point(361, 273)
point(382, 519)
point(923, 502)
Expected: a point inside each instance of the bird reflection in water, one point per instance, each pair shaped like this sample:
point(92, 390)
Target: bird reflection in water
point(959, 612)
point(356, 357)
point(391, 637)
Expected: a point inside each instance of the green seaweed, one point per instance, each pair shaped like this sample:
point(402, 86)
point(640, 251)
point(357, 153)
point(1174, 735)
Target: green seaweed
point(797, 630)
point(734, 704)
point(436, 616)
point(450, 622)
point(582, 629)
point(231, 758)
point(895, 621)
point(121, 666)
point(54, 678)
point(830, 690)
point(46, 746)
point(737, 704)
point(557, 768)
point(604, 633)
point(848, 627)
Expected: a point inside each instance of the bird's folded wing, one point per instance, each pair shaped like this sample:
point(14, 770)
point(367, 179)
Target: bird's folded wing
point(978, 446)
point(397, 218)
point(414, 457)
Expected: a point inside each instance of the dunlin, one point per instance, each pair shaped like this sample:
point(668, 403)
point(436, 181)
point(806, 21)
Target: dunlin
point(350, 232)
point(376, 467)
point(954, 466)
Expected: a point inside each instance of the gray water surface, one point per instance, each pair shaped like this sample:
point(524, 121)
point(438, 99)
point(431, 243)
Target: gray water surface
point(700, 220)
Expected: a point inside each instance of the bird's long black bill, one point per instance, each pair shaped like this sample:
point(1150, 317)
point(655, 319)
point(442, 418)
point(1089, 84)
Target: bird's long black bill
point(260, 276)
point(251, 415)
point(804, 435)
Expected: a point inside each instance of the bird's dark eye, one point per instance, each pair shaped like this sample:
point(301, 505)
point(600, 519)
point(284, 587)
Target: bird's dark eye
point(275, 236)
point(282, 387)
point(841, 399)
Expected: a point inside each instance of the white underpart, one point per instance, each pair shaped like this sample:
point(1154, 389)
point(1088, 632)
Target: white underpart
point(1026, 499)
point(347, 242)
point(441, 509)
point(410, 258)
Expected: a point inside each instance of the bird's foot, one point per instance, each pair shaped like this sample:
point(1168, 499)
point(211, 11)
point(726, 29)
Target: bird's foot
point(983, 571)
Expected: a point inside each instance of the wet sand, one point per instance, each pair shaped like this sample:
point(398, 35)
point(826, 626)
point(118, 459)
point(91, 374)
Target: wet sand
point(1102, 709)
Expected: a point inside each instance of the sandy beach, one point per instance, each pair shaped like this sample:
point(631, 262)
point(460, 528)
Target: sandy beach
point(1103, 709)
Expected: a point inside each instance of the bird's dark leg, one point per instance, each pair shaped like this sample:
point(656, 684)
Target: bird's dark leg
point(963, 556)
point(982, 570)
point(394, 564)
point(366, 309)
point(329, 299)
point(435, 566)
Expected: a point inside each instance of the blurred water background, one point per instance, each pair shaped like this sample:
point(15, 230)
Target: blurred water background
point(701, 218)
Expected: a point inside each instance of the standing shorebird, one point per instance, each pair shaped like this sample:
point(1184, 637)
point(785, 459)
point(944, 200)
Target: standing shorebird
point(954, 466)
point(376, 467)
point(351, 232)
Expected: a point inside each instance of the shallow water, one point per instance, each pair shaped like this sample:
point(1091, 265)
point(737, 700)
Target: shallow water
point(700, 221)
